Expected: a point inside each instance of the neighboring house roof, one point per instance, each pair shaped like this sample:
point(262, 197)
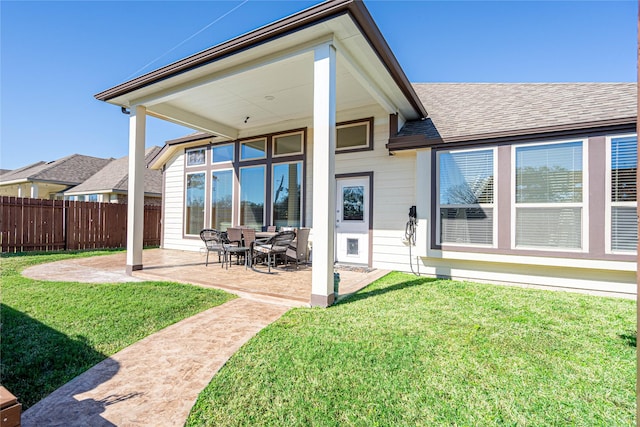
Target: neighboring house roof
point(476, 111)
point(114, 178)
point(3, 171)
point(70, 170)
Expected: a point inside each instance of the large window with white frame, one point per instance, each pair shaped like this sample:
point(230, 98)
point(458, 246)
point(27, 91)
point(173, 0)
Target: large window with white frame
point(550, 192)
point(194, 202)
point(622, 221)
point(466, 198)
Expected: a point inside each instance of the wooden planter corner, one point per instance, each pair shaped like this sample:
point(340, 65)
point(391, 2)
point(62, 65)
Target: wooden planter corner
point(10, 409)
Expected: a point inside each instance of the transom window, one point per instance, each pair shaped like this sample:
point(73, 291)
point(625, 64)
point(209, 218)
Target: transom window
point(354, 136)
point(222, 153)
point(256, 149)
point(196, 156)
point(622, 165)
point(286, 145)
point(466, 197)
point(549, 201)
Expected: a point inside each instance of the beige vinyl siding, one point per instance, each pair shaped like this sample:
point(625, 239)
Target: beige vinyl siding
point(173, 214)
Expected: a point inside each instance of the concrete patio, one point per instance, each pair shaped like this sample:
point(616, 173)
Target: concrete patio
point(284, 286)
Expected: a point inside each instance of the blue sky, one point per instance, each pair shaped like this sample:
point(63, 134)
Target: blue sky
point(56, 55)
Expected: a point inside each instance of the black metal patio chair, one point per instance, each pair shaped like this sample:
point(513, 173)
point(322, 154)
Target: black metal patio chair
point(214, 241)
point(276, 245)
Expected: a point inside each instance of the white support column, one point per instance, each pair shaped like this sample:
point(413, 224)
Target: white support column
point(135, 197)
point(34, 190)
point(324, 182)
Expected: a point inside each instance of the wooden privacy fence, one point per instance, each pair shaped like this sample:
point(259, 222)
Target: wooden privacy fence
point(50, 225)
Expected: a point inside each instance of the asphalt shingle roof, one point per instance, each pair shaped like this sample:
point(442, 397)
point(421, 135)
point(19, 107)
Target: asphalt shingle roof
point(115, 177)
point(457, 110)
point(69, 170)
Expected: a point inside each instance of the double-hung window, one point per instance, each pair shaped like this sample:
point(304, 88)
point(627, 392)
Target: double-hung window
point(466, 197)
point(550, 196)
point(622, 165)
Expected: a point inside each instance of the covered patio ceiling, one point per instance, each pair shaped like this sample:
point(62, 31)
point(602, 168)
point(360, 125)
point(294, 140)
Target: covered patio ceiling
point(236, 91)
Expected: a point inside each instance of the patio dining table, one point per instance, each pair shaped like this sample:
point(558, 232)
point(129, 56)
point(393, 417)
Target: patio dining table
point(265, 234)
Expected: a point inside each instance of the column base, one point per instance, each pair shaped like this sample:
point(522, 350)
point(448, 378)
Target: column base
point(131, 268)
point(322, 300)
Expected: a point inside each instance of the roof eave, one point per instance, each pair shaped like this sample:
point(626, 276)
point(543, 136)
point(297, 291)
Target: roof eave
point(413, 142)
point(332, 8)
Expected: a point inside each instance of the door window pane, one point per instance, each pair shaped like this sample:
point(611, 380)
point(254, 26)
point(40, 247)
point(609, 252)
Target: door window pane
point(253, 149)
point(353, 203)
point(252, 188)
point(221, 199)
point(194, 209)
point(287, 183)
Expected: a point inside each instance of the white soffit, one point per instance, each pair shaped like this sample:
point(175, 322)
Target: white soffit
point(271, 83)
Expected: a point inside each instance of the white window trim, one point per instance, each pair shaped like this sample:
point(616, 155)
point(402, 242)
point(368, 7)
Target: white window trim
point(583, 205)
point(355, 147)
point(184, 202)
point(264, 192)
point(609, 205)
point(280, 135)
point(493, 206)
point(253, 158)
point(226, 162)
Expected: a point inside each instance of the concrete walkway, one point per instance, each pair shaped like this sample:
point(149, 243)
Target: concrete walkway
point(155, 381)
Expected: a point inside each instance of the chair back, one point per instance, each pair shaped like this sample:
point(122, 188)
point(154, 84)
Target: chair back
point(298, 250)
point(213, 239)
point(282, 240)
point(271, 228)
point(234, 235)
point(249, 235)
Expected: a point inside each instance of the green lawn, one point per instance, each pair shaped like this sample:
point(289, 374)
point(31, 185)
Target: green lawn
point(53, 331)
point(422, 352)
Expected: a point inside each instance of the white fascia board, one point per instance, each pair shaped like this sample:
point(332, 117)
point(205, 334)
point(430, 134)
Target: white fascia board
point(80, 193)
point(15, 181)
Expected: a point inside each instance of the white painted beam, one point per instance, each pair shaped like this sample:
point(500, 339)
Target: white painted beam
point(324, 183)
point(135, 197)
point(365, 80)
point(194, 121)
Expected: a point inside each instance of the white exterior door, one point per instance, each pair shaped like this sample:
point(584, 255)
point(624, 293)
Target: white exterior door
point(352, 220)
